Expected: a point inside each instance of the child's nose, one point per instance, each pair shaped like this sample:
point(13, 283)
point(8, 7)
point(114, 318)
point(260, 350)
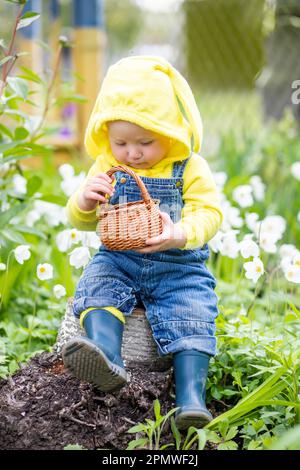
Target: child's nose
point(133, 152)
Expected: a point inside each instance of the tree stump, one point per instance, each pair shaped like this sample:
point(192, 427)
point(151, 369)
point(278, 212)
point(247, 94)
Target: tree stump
point(138, 346)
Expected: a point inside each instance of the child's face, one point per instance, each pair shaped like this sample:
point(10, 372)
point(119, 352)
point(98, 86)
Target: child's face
point(135, 146)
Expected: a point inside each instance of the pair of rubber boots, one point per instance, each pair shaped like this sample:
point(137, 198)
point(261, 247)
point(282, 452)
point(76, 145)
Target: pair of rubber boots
point(97, 359)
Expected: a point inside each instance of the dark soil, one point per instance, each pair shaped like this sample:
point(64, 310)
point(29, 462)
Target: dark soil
point(43, 407)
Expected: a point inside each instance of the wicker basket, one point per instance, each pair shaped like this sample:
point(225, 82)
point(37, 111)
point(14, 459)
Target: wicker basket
point(127, 226)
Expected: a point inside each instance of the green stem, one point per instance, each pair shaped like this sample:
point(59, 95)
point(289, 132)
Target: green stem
point(49, 90)
point(218, 267)
point(7, 68)
point(257, 291)
point(5, 278)
point(33, 314)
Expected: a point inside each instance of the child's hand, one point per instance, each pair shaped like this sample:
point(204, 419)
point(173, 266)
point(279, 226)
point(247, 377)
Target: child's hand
point(89, 197)
point(172, 236)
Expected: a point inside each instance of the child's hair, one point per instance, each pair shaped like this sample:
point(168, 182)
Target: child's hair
point(150, 92)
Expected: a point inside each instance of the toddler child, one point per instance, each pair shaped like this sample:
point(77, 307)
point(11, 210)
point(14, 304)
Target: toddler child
point(146, 118)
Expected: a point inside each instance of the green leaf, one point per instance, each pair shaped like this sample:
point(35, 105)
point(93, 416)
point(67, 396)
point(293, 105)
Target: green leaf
point(61, 201)
point(157, 410)
point(200, 435)
point(8, 146)
point(176, 433)
point(6, 216)
point(294, 308)
point(19, 86)
point(138, 428)
point(33, 184)
point(231, 433)
point(6, 131)
point(11, 235)
point(215, 393)
point(15, 158)
point(33, 231)
point(21, 133)
point(43, 45)
point(6, 59)
point(165, 446)
point(28, 18)
point(74, 447)
point(31, 76)
point(15, 112)
point(27, 149)
point(229, 393)
point(136, 443)
point(230, 445)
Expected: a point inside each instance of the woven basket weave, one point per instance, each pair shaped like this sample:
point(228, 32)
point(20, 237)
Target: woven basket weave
point(127, 226)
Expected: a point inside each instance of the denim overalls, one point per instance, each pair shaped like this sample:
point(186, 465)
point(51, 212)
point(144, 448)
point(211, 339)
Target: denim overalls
point(175, 285)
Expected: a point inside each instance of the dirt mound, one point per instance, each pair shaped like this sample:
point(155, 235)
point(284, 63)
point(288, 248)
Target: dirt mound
point(43, 407)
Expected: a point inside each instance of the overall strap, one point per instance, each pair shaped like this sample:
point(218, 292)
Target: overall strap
point(179, 167)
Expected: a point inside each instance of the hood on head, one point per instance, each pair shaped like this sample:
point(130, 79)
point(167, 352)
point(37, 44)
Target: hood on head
point(147, 91)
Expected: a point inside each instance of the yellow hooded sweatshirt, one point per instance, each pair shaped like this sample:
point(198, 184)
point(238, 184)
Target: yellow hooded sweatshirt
point(150, 92)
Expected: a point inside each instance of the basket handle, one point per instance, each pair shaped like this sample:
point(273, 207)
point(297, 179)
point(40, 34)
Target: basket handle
point(138, 180)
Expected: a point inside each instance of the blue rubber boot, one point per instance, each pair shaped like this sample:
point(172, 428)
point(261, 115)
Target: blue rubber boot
point(190, 370)
point(97, 358)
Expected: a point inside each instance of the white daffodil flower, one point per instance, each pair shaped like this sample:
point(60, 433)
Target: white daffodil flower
point(53, 213)
point(296, 259)
point(67, 238)
point(32, 217)
point(231, 217)
point(285, 263)
point(44, 271)
point(295, 170)
point(243, 195)
point(59, 291)
point(267, 242)
point(91, 240)
point(70, 185)
point(22, 253)
point(215, 243)
point(248, 248)
point(2, 266)
point(287, 250)
point(292, 273)
point(274, 224)
point(230, 246)
point(19, 184)
point(66, 171)
point(220, 178)
point(80, 257)
point(254, 269)
point(252, 219)
point(258, 187)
